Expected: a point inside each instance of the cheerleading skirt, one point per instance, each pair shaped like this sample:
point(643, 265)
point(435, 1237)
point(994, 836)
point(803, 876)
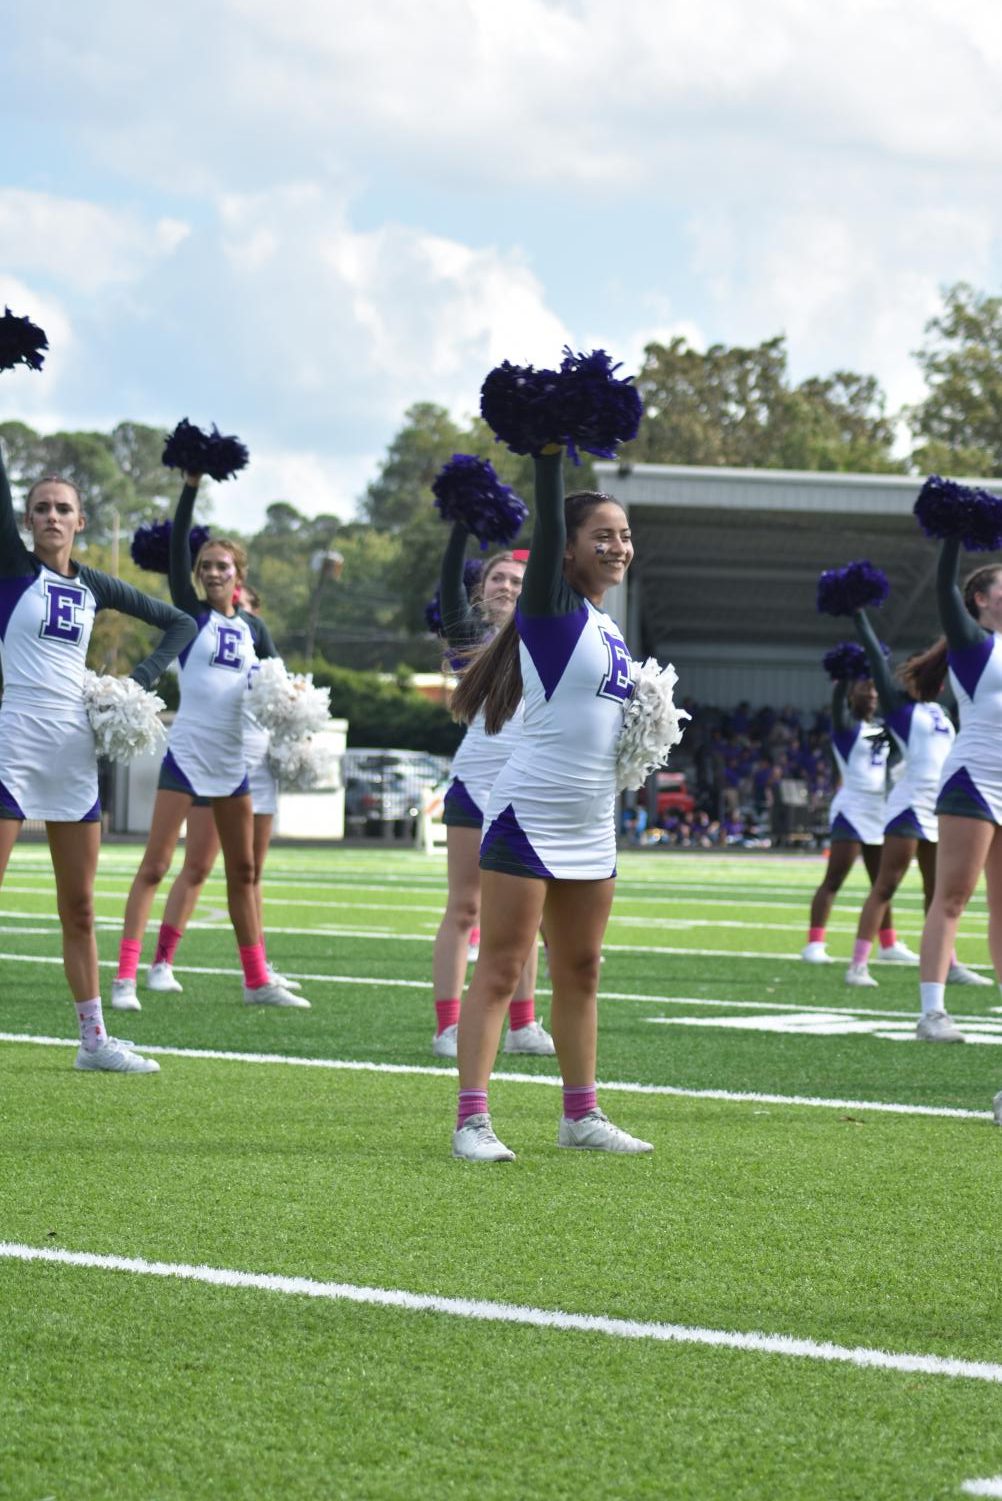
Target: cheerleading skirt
point(48, 766)
point(854, 817)
point(556, 832)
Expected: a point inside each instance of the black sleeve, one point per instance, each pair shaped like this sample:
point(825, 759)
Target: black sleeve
point(890, 694)
point(959, 625)
point(178, 628)
point(15, 559)
point(264, 646)
point(182, 590)
point(842, 718)
point(461, 625)
point(545, 591)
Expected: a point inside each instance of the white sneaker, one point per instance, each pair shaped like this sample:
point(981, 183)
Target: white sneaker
point(161, 977)
point(274, 978)
point(274, 995)
point(532, 1038)
point(897, 953)
point(997, 1108)
point(443, 1044)
point(123, 995)
point(859, 974)
point(115, 1057)
point(815, 953)
point(473, 953)
point(475, 1142)
point(959, 974)
point(595, 1132)
point(937, 1026)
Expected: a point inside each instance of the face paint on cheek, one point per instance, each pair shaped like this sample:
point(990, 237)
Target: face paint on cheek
point(601, 549)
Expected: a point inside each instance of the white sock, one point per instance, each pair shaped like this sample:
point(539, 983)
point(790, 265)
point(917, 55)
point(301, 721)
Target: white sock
point(91, 1020)
point(933, 996)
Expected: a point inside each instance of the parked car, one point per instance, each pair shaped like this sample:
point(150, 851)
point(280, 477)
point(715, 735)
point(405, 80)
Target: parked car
point(385, 789)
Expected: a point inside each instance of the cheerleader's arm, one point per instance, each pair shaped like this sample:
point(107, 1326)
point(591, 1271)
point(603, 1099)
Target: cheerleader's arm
point(15, 559)
point(179, 629)
point(182, 590)
point(545, 590)
point(461, 626)
point(890, 695)
point(959, 625)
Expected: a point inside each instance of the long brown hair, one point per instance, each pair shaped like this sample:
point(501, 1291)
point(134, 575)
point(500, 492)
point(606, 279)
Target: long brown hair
point(924, 673)
point(493, 679)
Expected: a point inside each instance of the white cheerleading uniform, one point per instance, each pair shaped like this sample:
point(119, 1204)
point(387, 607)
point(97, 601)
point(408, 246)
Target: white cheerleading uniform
point(858, 808)
point(551, 812)
point(476, 766)
point(924, 737)
point(971, 782)
point(48, 763)
point(263, 787)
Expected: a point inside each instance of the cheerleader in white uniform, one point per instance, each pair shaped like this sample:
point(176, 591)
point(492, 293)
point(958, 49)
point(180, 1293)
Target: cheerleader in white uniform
point(549, 847)
point(48, 766)
point(205, 757)
point(201, 844)
point(475, 766)
point(857, 813)
point(923, 736)
point(969, 804)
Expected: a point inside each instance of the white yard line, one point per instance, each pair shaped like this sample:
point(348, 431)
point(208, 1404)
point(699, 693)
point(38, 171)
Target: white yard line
point(352, 1065)
point(520, 1314)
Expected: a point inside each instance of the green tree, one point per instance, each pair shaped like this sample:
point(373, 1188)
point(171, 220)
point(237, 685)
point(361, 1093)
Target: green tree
point(427, 440)
point(958, 427)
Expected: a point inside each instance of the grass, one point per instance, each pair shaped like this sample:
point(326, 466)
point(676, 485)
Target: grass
point(833, 1223)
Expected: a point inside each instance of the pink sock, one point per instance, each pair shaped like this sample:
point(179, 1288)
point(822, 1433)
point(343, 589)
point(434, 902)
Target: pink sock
point(254, 966)
point(521, 1013)
point(167, 943)
point(578, 1101)
point(129, 951)
point(474, 938)
point(91, 1020)
point(815, 935)
point(471, 1102)
point(888, 938)
point(446, 1015)
point(861, 950)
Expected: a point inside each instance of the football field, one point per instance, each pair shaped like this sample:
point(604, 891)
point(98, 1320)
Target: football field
point(261, 1273)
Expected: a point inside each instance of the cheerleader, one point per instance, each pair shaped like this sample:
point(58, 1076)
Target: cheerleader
point(475, 766)
point(201, 844)
point(969, 804)
point(205, 757)
point(860, 749)
point(549, 845)
point(923, 735)
point(48, 767)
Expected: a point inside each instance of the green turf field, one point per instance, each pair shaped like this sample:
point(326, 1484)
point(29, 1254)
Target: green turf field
point(284, 1285)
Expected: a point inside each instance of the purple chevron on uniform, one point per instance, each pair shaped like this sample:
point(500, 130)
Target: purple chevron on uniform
point(844, 740)
point(11, 591)
point(9, 806)
point(94, 814)
point(843, 829)
point(172, 778)
point(969, 663)
point(959, 796)
point(905, 825)
point(550, 641)
point(900, 720)
point(506, 848)
point(458, 801)
point(200, 621)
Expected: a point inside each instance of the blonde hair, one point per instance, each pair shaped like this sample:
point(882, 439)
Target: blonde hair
point(236, 550)
point(52, 479)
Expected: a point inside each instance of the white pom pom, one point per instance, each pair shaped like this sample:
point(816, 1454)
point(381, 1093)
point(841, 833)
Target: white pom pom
point(123, 717)
point(285, 703)
point(652, 724)
point(300, 764)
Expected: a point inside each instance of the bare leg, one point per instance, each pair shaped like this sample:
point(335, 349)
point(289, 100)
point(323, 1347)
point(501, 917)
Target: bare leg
point(462, 912)
point(170, 809)
point(263, 823)
point(843, 856)
point(895, 858)
point(927, 869)
point(9, 830)
point(964, 844)
point(201, 848)
point(871, 859)
point(235, 825)
point(74, 849)
point(577, 913)
point(512, 906)
point(993, 881)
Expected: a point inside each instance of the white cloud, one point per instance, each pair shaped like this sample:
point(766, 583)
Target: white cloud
point(81, 245)
point(313, 482)
point(33, 396)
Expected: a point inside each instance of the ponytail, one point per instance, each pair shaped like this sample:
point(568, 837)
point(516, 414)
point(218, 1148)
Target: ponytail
point(924, 673)
point(492, 682)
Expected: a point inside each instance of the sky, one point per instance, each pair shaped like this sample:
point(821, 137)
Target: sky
point(297, 219)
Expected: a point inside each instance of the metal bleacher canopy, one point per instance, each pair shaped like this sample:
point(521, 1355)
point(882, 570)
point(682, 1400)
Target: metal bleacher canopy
point(727, 560)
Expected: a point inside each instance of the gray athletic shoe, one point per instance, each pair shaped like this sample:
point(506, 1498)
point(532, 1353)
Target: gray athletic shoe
point(938, 1026)
point(115, 1057)
point(997, 1108)
point(896, 953)
point(443, 1044)
point(859, 974)
point(475, 1141)
point(274, 995)
point(595, 1132)
point(274, 978)
point(123, 996)
point(532, 1039)
point(959, 974)
point(161, 977)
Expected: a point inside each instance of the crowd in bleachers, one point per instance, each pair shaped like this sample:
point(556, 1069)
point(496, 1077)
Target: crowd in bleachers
point(744, 768)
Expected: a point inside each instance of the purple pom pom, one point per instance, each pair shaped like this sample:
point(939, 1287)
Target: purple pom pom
point(433, 614)
point(946, 509)
point(467, 490)
point(846, 662)
point(473, 572)
point(21, 342)
point(188, 448)
point(151, 545)
point(600, 411)
point(580, 406)
point(841, 591)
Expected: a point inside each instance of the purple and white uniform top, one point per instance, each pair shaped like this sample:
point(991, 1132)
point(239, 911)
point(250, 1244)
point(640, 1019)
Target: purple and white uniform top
point(924, 736)
point(971, 782)
point(206, 740)
point(481, 757)
point(858, 807)
point(552, 808)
